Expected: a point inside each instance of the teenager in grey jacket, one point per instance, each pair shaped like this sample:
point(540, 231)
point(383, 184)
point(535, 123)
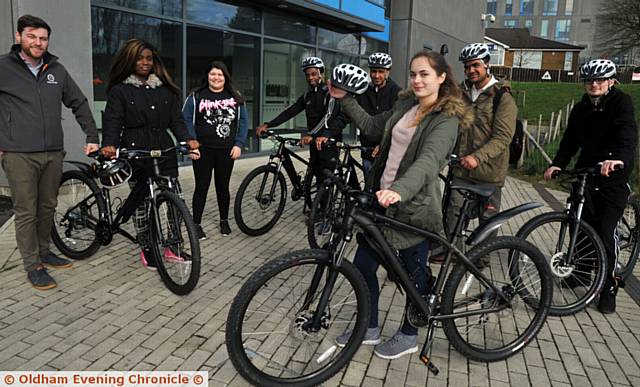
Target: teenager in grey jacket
point(32, 87)
point(418, 134)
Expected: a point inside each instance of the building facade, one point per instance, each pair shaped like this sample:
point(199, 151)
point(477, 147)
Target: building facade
point(570, 21)
point(262, 42)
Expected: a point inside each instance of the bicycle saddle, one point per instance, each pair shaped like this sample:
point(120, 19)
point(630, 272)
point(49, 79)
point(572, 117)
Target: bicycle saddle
point(484, 190)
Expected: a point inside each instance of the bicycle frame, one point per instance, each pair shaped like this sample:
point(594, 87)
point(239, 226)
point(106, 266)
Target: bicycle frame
point(284, 157)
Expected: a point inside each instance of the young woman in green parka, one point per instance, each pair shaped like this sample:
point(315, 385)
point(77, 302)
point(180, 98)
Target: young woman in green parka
point(418, 135)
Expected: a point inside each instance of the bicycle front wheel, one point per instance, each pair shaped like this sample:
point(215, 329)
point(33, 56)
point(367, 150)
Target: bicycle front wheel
point(77, 214)
point(577, 279)
point(271, 334)
point(175, 244)
point(628, 243)
point(500, 326)
point(260, 200)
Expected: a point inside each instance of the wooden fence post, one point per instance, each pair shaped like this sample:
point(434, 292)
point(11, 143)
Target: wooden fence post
point(539, 129)
point(524, 145)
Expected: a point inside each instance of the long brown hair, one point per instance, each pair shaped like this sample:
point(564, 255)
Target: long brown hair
point(228, 82)
point(448, 89)
point(124, 64)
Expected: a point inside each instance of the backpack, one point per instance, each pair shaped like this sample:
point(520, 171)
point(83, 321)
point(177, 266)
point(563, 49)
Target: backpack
point(517, 142)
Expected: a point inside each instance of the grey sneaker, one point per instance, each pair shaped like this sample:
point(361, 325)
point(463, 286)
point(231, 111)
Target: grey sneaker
point(40, 279)
point(372, 337)
point(57, 262)
point(397, 346)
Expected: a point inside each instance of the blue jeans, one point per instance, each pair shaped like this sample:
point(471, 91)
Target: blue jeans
point(415, 262)
point(366, 165)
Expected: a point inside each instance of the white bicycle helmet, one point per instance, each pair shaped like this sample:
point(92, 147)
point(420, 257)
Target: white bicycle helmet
point(597, 69)
point(350, 78)
point(114, 173)
point(313, 61)
point(380, 60)
point(474, 51)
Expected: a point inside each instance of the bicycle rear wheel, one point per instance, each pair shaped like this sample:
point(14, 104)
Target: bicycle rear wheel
point(77, 214)
point(578, 279)
point(175, 244)
point(327, 207)
point(269, 333)
point(501, 326)
point(260, 200)
point(628, 243)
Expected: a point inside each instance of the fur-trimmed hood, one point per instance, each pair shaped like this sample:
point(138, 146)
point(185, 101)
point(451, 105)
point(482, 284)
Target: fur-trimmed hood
point(152, 81)
point(450, 106)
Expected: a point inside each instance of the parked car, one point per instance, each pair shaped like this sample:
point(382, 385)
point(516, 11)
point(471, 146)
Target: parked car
point(635, 76)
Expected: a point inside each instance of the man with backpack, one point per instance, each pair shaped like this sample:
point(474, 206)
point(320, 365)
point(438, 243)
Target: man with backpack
point(483, 148)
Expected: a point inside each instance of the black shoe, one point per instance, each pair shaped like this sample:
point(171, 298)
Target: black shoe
point(40, 279)
point(54, 261)
point(607, 303)
point(201, 235)
point(224, 227)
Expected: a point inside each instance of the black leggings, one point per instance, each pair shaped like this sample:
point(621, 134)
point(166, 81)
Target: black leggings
point(216, 162)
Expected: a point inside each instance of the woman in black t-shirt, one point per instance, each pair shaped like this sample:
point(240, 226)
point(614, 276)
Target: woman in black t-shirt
point(215, 114)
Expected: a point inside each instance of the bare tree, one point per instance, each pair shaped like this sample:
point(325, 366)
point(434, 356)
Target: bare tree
point(620, 23)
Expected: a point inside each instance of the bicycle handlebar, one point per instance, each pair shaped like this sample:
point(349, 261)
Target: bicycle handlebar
point(134, 154)
point(587, 171)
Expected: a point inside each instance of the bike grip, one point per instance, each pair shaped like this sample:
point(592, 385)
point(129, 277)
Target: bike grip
point(556, 173)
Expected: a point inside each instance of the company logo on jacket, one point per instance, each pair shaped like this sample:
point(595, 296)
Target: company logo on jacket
point(51, 79)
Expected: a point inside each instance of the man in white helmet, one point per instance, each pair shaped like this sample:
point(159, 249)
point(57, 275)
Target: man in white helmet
point(603, 128)
point(483, 148)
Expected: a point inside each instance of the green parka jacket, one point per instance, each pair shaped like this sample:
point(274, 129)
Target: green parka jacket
point(489, 137)
point(428, 152)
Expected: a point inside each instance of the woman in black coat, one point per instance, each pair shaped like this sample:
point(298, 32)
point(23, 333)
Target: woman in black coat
point(142, 103)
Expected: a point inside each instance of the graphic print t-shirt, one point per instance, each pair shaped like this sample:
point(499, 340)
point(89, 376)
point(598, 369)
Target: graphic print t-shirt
point(216, 119)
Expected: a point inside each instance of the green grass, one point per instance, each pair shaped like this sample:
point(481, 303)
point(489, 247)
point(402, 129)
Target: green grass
point(544, 98)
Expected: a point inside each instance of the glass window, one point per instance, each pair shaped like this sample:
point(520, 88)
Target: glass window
point(508, 7)
point(568, 61)
point(528, 59)
point(568, 7)
point(528, 23)
point(221, 13)
point(110, 29)
point(563, 29)
point(497, 55)
point(550, 7)
point(162, 7)
point(526, 7)
point(283, 80)
point(370, 45)
point(344, 42)
point(492, 6)
point(379, 3)
point(544, 28)
point(511, 23)
point(241, 55)
point(289, 28)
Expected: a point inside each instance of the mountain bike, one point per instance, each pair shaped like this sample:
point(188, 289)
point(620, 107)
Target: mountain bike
point(573, 249)
point(87, 217)
point(282, 325)
point(262, 194)
point(329, 202)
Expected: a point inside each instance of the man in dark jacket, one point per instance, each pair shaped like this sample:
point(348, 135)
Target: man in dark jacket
point(316, 103)
point(603, 128)
point(380, 96)
point(32, 87)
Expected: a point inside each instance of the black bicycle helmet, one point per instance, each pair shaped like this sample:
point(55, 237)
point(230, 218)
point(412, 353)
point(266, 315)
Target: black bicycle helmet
point(114, 173)
point(598, 69)
point(380, 60)
point(350, 78)
point(474, 51)
point(313, 61)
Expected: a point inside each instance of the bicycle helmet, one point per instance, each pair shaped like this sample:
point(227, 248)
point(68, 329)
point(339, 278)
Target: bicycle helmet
point(350, 78)
point(313, 61)
point(114, 173)
point(379, 60)
point(597, 69)
point(474, 51)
